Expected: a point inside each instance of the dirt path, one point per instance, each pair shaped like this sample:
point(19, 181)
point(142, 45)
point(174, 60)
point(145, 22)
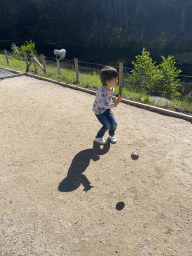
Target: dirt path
point(59, 191)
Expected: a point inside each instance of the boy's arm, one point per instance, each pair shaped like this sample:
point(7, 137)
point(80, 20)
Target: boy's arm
point(105, 103)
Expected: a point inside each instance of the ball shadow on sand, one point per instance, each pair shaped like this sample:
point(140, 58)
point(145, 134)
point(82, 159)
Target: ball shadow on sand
point(79, 164)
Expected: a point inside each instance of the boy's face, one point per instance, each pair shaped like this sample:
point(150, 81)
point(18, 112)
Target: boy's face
point(113, 82)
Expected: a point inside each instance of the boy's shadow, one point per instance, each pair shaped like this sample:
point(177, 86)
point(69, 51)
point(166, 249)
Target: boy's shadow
point(79, 164)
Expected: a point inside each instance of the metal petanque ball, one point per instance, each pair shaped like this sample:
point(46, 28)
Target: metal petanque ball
point(134, 155)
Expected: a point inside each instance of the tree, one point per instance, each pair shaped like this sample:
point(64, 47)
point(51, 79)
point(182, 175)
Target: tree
point(26, 15)
point(7, 17)
point(170, 81)
point(28, 48)
point(145, 76)
point(161, 80)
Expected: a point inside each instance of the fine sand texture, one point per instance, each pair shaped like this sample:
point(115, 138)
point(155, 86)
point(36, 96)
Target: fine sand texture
point(62, 194)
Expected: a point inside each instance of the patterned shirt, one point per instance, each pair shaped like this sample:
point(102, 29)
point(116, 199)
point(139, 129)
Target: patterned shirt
point(103, 100)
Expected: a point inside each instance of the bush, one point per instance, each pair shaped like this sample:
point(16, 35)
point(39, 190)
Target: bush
point(154, 80)
point(145, 77)
point(28, 47)
point(15, 51)
point(146, 100)
point(170, 83)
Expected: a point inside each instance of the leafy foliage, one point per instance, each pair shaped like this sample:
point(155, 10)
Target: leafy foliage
point(28, 47)
point(145, 77)
point(146, 100)
point(159, 80)
point(100, 30)
point(15, 50)
point(170, 83)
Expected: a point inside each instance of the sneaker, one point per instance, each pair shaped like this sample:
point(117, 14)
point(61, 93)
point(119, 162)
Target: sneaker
point(100, 140)
point(113, 139)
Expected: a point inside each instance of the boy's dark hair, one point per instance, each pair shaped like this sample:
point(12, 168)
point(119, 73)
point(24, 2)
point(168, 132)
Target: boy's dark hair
point(107, 74)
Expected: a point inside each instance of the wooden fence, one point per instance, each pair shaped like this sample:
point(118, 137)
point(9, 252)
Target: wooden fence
point(76, 62)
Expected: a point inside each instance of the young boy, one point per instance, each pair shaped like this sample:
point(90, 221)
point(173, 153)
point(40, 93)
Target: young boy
point(104, 101)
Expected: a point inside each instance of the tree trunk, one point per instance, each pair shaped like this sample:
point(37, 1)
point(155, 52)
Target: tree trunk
point(182, 29)
point(126, 14)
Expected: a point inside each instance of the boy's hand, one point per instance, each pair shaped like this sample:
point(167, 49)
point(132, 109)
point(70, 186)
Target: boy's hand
point(120, 97)
point(117, 100)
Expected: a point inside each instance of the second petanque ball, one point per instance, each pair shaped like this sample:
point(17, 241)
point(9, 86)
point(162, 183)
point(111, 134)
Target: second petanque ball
point(134, 155)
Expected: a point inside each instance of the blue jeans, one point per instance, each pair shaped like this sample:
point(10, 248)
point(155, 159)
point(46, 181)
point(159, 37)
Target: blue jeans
point(107, 119)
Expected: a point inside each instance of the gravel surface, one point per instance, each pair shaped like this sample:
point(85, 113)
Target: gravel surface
point(4, 73)
point(60, 192)
point(159, 99)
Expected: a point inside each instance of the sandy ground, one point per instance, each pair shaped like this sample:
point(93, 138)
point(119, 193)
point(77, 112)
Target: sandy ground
point(60, 192)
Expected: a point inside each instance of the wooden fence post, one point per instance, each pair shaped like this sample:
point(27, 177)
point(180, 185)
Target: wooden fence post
point(43, 60)
point(39, 64)
point(58, 66)
point(25, 55)
point(6, 56)
point(77, 70)
point(33, 55)
point(120, 78)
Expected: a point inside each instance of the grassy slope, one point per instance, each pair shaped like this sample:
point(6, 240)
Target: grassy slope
point(86, 80)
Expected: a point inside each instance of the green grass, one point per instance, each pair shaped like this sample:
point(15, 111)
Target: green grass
point(89, 81)
point(14, 64)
